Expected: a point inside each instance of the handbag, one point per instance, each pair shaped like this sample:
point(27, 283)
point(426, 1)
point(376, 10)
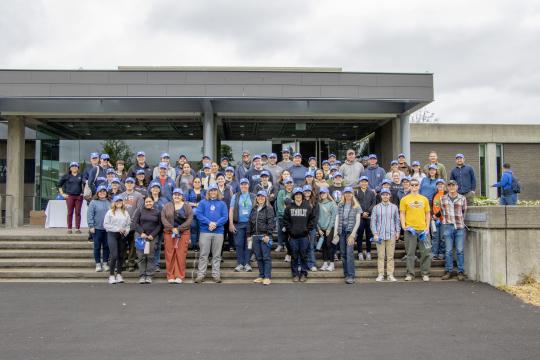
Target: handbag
point(139, 243)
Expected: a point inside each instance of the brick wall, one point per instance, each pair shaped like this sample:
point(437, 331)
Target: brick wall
point(525, 162)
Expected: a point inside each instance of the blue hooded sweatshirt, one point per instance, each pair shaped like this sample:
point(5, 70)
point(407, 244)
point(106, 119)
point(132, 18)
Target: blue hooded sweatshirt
point(428, 188)
point(375, 175)
point(96, 213)
point(212, 211)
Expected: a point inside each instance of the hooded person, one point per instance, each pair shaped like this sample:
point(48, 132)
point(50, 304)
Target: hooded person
point(374, 173)
point(351, 169)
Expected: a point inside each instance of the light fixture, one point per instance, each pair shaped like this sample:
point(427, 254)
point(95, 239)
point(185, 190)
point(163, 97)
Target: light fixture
point(190, 134)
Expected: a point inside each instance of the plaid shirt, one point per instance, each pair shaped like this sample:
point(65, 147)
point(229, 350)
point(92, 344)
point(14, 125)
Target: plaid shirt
point(453, 211)
point(385, 221)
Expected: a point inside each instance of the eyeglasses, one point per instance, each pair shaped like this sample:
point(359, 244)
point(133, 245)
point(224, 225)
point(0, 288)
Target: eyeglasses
point(415, 184)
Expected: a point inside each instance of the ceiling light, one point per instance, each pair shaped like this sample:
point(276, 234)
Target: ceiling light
point(190, 134)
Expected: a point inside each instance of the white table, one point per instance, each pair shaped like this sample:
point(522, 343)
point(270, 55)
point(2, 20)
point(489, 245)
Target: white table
point(56, 214)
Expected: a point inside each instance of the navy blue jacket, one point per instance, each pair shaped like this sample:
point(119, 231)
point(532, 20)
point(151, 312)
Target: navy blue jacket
point(465, 178)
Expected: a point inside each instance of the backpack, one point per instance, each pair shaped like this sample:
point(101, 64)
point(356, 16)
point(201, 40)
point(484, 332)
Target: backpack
point(516, 185)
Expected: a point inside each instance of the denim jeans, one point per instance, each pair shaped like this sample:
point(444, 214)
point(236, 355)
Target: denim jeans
point(437, 242)
point(264, 258)
point(508, 199)
point(347, 255)
point(100, 242)
point(299, 250)
point(311, 262)
point(454, 237)
point(157, 250)
point(194, 229)
point(243, 254)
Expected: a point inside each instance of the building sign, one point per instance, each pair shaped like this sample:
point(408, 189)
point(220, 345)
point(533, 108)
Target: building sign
point(29, 171)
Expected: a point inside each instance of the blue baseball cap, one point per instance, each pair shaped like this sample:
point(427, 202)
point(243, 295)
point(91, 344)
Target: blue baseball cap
point(309, 173)
point(325, 162)
point(393, 162)
point(347, 189)
point(163, 165)
point(224, 158)
point(101, 179)
point(116, 180)
point(182, 156)
point(244, 181)
point(297, 190)
point(401, 155)
point(312, 158)
point(117, 198)
point(73, 163)
point(333, 167)
point(386, 181)
point(365, 158)
point(206, 157)
point(256, 156)
point(129, 180)
point(155, 184)
point(272, 155)
point(440, 181)
point(207, 166)
point(220, 174)
point(94, 155)
point(338, 174)
point(262, 193)
point(139, 172)
point(178, 191)
point(415, 163)
point(265, 173)
point(165, 155)
point(285, 150)
point(432, 166)
point(331, 155)
point(297, 154)
point(212, 187)
point(264, 155)
point(104, 157)
point(385, 191)
point(337, 162)
point(110, 171)
point(362, 178)
point(406, 178)
point(324, 189)
point(101, 188)
point(307, 187)
point(372, 156)
point(141, 153)
point(229, 168)
point(288, 180)
point(460, 156)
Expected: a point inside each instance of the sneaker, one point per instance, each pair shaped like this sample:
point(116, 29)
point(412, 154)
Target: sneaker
point(331, 267)
point(447, 275)
point(460, 276)
point(380, 278)
point(231, 249)
point(303, 278)
point(99, 268)
point(258, 280)
point(217, 279)
point(313, 269)
point(106, 267)
point(392, 278)
point(425, 277)
point(295, 279)
point(178, 281)
point(324, 266)
point(78, 231)
point(267, 281)
point(336, 258)
point(360, 256)
point(141, 280)
point(349, 281)
point(368, 256)
point(69, 231)
point(119, 278)
point(408, 277)
point(239, 268)
point(279, 248)
point(112, 280)
point(287, 258)
point(199, 279)
point(248, 268)
point(148, 280)
point(171, 281)
point(157, 269)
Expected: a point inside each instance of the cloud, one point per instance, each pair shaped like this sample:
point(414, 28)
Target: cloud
point(483, 53)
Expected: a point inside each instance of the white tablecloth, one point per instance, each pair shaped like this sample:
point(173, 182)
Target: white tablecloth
point(56, 213)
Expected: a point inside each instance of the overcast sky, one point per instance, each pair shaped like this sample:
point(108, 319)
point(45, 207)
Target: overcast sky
point(484, 54)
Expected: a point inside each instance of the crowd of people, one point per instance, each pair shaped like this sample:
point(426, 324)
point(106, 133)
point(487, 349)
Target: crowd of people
point(335, 209)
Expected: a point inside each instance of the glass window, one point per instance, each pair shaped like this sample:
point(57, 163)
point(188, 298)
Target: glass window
point(483, 171)
point(254, 147)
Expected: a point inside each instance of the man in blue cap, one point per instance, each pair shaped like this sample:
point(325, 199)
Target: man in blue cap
point(465, 178)
point(367, 199)
point(133, 200)
point(94, 161)
point(332, 159)
point(254, 174)
point(374, 173)
point(171, 171)
point(141, 164)
point(286, 161)
point(351, 169)
point(99, 171)
point(273, 168)
point(244, 165)
point(402, 164)
point(298, 170)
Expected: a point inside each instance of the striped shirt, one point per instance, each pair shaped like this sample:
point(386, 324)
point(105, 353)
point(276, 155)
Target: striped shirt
point(453, 210)
point(385, 221)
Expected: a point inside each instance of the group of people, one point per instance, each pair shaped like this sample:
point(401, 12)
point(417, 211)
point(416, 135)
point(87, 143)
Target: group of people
point(133, 213)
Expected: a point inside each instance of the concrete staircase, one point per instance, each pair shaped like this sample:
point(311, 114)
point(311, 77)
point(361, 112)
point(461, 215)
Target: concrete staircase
point(46, 257)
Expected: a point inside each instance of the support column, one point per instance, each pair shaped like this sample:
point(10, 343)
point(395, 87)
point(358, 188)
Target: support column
point(491, 169)
point(209, 130)
point(396, 139)
point(405, 136)
point(15, 172)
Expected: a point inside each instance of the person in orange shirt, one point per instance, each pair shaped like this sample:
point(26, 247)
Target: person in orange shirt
point(437, 241)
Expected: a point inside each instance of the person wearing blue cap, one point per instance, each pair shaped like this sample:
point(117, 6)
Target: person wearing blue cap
point(141, 186)
point(254, 174)
point(99, 171)
point(394, 168)
point(309, 179)
point(351, 169)
point(417, 172)
point(312, 164)
point(117, 223)
point(155, 191)
point(70, 186)
point(298, 220)
point(212, 216)
point(170, 171)
point(385, 227)
point(336, 188)
point(367, 199)
point(365, 161)
point(241, 204)
point(244, 165)
point(319, 179)
point(312, 199)
point(133, 200)
point(194, 197)
point(273, 168)
point(346, 229)
point(148, 227)
point(184, 180)
point(95, 216)
point(374, 173)
point(405, 188)
point(286, 161)
point(264, 159)
point(434, 160)
point(141, 164)
point(283, 200)
point(402, 164)
point(205, 176)
point(266, 185)
point(386, 184)
point(415, 219)
point(428, 186)
point(227, 193)
point(167, 183)
point(325, 228)
point(465, 177)
point(115, 188)
point(332, 158)
point(297, 170)
point(260, 230)
point(326, 169)
point(224, 163)
point(120, 170)
point(94, 161)
point(231, 180)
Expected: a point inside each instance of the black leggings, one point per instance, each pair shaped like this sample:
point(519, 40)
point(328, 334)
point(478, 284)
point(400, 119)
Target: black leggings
point(328, 249)
point(117, 248)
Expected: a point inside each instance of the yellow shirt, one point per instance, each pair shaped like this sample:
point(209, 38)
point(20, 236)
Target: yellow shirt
point(415, 208)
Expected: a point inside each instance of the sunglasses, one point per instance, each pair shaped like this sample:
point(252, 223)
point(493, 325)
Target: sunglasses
point(415, 184)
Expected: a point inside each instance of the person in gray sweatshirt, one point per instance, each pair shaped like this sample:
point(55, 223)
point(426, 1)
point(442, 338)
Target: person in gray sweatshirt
point(95, 216)
point(133, 200)
point(351, 169)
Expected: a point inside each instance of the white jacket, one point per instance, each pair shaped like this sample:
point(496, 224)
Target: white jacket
point(116, 222)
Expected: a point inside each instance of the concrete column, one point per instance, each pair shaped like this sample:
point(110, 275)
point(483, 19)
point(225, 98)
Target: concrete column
point(15, 172)
point(491, 169)
point(396, 139)
point(405, 137)
point(209, 130)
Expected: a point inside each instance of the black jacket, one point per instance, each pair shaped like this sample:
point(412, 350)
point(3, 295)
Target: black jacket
point(72, 185)
point(148, 171)
point(299, 220)
point(366, 199)
point(261, 222)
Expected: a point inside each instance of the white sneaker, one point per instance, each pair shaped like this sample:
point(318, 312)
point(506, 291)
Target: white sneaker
point(148, 280)
point(112, 280)
point(391, 278)
point(408, 278)
point(368, 256)
point(324, 266)
point(279, 248)
point(178, 281)
point(360, 256)
point(313, 269)
point(119, 278)
point(380, 278)
point(248, 268)
point(106, 267)
point(239, 268)
point(171, 281)
point(331, 267)
point(141, 280)
point(425, 277)
point(287, 258)
point(99, 268)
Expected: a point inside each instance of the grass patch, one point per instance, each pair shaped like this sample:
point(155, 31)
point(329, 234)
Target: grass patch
point(528, 289)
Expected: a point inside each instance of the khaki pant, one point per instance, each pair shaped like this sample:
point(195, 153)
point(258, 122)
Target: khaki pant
point(387, 248)
point(175, 254)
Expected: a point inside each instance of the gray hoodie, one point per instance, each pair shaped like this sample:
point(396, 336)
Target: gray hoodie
point(96, 213)
point(351, 172)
